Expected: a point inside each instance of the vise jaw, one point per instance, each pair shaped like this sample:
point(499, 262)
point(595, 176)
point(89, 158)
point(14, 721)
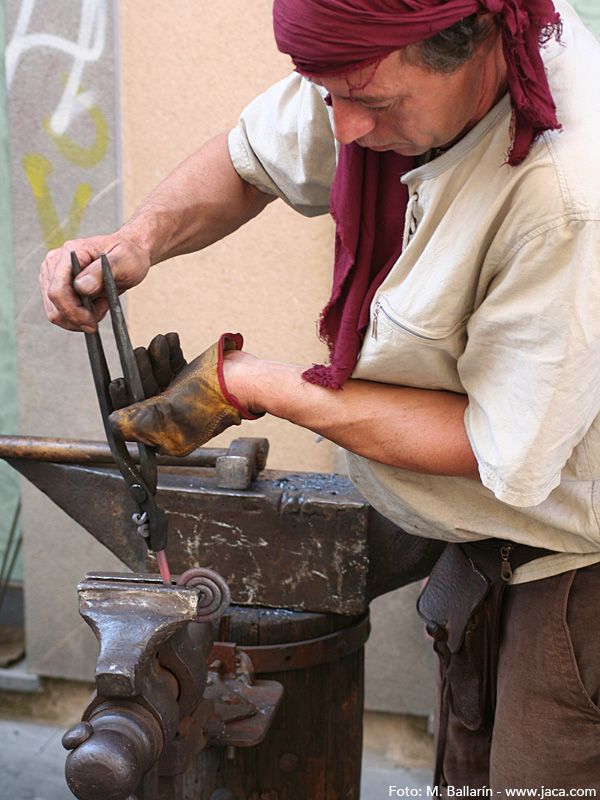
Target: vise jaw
point(132, 616)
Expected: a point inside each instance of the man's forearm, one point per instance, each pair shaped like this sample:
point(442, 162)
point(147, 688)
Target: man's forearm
point(415, 429)
point(200, 202)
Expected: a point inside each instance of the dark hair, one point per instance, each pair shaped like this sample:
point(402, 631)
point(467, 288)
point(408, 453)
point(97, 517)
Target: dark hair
point(449, 49)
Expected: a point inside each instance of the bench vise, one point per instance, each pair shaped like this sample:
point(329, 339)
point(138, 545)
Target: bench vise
point(156, 705)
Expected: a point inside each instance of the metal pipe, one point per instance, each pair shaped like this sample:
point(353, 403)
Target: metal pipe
point(83, 451)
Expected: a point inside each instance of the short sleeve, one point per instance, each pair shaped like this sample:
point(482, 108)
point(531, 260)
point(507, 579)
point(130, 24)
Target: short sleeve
point(531, 366)
point(284, 145)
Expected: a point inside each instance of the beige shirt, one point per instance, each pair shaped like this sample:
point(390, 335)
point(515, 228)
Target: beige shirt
point(496, 295)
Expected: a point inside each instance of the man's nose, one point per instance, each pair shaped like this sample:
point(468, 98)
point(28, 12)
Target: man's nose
point(350, 120)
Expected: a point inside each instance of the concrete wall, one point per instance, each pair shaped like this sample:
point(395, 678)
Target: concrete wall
point(9, 482)
point(61, 76)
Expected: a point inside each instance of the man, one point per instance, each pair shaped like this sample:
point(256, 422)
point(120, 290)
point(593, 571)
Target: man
point(463, 332)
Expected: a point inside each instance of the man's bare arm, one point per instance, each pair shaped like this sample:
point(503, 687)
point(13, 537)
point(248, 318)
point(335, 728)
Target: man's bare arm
point(200, 202)
point(415, 429)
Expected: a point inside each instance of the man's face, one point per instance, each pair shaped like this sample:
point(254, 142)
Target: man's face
point(407, 108)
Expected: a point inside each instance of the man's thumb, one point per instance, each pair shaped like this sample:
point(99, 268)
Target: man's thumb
point(89, 280)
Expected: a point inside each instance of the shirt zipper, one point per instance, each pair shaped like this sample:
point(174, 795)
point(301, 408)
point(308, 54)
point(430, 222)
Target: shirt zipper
point(379, 307)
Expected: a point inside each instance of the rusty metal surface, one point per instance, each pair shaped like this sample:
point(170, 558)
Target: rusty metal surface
point(244, 707)
point(111, 751)
point(189, 740)
point(96, 498)
point(185, 657)
point(156, 703)
point(243, 713)
point(295, 655)
point(292, 540)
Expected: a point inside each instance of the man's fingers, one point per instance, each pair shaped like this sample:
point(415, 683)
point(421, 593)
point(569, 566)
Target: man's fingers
point(89, 282)
point(61, 301)
point(61, 292)
point(118, 393)
point(159, 355)
point(145, 366)
point(176, 357)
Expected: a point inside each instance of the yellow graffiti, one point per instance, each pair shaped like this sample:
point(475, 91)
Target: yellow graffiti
point(37, 169)
point(83, 156)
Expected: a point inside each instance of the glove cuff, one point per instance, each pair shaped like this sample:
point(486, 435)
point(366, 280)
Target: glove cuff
point(231, 341)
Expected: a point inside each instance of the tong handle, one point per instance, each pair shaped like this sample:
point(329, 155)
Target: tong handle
point(133, 380)
point(141, 490)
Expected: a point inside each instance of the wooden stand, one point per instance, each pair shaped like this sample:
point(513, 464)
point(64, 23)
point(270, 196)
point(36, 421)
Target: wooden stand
point(313, 748)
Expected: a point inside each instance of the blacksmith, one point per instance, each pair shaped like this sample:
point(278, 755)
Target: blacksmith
point(456, 144)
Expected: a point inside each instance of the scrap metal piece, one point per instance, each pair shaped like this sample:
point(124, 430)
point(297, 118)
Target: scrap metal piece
point(215, 596)
point(244, 707)
point(243, 713)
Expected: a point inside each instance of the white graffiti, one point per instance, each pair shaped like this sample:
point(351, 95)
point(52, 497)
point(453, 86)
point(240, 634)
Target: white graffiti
point(88, 48)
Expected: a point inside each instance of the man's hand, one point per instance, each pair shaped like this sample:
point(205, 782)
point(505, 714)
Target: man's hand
point(129, 262)
point(195, 407)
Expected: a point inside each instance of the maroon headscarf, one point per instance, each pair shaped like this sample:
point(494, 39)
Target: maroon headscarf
point(335, 37)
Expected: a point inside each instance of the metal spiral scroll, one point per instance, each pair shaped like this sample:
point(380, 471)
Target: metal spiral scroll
point(215, 595)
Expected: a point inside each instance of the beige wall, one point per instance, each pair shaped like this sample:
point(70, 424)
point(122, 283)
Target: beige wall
point(186, 75)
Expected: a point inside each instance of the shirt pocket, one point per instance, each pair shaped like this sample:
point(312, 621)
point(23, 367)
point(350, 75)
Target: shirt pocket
point(398, 351)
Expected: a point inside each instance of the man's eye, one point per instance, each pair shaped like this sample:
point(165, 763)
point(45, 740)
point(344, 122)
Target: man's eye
point(376, 109)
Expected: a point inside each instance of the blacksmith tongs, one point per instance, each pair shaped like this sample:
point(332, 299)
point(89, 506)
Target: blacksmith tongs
point(151, 520)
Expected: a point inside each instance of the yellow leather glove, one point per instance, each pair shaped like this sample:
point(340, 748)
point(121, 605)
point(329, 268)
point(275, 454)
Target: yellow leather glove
point(195, 406)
